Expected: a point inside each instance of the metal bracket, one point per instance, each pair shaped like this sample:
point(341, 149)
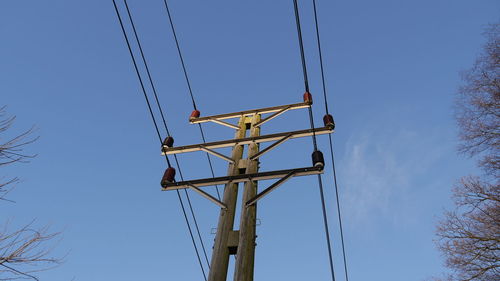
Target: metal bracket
point(269, 189)
point(208, 196)
point(215, 153)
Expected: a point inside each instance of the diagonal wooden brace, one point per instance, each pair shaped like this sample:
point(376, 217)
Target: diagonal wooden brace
point(267, 149)
point(208, 196)
point(269, 189)
point(269, 118)
point(215, 153)
point(225, 124)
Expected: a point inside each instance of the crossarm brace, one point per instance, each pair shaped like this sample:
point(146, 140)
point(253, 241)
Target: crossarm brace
point(225, 124)
point(209, 197)
point(242, 178)
point(215, 153)
point(269, 189)
point(269, 148)
point(271, 117)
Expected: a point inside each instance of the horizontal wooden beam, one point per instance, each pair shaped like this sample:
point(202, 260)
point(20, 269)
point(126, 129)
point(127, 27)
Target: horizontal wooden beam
point(249, 112)
point(248, 140)
point(243, 178)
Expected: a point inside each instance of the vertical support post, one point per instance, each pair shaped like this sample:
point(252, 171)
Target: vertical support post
point(244, 268)
point(220, 256)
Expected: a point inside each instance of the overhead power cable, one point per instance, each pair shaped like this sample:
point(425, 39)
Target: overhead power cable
point(166, 127)
point(320, 182)
point(189, 87)
point(304, 68)
point(330, 140)
point(157, 130)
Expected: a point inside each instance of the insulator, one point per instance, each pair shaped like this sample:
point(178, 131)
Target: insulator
point(308, 98)
point(168, 142)
point(318, 160)
point(194, 114)
point(168, 176)
point(328, 121)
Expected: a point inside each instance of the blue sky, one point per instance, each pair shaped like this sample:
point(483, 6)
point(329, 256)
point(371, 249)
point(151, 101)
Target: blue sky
point(392, 69)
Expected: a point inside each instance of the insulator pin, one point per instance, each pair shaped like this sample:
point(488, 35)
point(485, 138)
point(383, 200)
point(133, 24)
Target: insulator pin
point(168, 142)
point(317, 159)
point(328, 121)
point(168, 176)
point(308, 98)
point(195, 114)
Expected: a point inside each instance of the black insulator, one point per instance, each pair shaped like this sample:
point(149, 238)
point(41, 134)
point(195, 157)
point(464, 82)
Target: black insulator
point(168, 142)
point(328, 121)
point(318, 160)
point(168, 176)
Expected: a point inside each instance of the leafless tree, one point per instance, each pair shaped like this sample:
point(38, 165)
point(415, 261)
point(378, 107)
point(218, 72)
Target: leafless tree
point(478, 106)
point(469, 235)
point(24, 251)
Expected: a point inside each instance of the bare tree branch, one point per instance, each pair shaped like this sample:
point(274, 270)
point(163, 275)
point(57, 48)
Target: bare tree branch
point(25, 251)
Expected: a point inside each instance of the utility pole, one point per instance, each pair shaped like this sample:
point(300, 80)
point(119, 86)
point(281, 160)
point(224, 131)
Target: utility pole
point(229, 241)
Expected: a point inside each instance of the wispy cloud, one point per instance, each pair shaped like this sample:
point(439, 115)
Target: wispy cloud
point(380, 169)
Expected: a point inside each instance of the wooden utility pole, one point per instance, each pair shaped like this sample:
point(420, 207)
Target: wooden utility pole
point(229, 241)
point(226, 236)
point(245, 255)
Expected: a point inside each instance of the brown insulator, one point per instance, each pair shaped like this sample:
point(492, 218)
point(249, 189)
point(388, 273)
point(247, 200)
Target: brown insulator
point(328, 121)
point(195, 114)
point(308, 98)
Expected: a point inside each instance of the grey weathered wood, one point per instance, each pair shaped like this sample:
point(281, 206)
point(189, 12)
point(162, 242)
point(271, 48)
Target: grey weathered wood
point(245, 256)
point(248, 112)
point(220, 256)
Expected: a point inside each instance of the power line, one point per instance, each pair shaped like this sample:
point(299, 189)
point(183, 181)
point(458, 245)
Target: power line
point(186, 76)
point(156, 127)
point(165, 125)
point(330, 140)
point(320, 182)
point(338, 208)
point(180, 54)
point(304, 69)
point(301, 44)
